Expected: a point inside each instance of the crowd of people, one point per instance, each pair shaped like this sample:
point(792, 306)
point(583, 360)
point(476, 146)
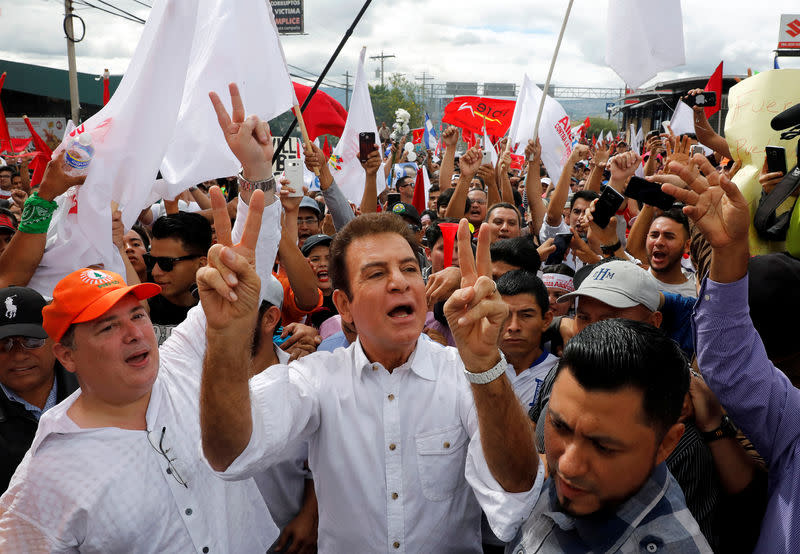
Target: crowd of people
point(280, 370)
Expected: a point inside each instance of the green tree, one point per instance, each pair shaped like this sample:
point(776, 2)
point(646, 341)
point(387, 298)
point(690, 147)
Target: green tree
point(601, 125)
point(399, 92)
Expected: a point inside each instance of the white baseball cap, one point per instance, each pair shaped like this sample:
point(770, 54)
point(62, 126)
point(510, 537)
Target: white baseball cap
point(620, 284)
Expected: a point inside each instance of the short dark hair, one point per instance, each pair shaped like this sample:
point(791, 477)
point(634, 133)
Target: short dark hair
point(677, 215)
point(262, 309)
point(142, 232)
point(444, 198)
point(587, 195)
point(191, 229)
point(506, 205)
point(5, 168)
point(617, 353)
point(364, 226)
point(520, 281)
point(518, 251)
point(561, 269)
point(434, 187)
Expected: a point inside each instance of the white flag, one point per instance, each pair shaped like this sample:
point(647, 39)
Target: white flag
point(161, 117)
point(554, 128)
point(351, 178)
point(643, 38)
point(609, 138)
point(487, 145)
point(638, 139)
point(682, 122)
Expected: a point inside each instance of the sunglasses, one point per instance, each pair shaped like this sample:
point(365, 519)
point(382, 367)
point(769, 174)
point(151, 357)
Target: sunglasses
point(28, 343)
point(165, 262)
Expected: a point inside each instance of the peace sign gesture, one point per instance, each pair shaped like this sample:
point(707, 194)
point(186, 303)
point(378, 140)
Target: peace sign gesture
point(229, 285)
point(476, 312)
point(249, 139)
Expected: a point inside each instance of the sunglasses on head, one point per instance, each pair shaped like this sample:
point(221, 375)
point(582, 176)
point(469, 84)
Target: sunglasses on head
point(28, 343)
point(165, 262)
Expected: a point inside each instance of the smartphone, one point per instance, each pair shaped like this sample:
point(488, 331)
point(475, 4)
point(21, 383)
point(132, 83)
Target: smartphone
point(293, 170)
point(561, 242)
point(651, 134)
point(776, 159)
point(702, 99)
point(366, 144)
point(607, 205)
point(648, 193)
point(277, 339)
point(391, 199)
point(698, 149)
point(487, 157)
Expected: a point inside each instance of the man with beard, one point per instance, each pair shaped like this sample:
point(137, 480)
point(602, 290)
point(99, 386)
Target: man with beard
point(667, 242)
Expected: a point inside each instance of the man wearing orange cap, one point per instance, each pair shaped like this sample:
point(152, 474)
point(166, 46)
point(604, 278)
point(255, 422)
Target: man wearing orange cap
point(115, 467)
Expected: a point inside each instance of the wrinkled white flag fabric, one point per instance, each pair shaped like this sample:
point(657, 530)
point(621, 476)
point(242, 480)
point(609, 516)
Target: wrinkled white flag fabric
point(639, 46)
point(554, 128)
point(350, 176)
point(161, 117)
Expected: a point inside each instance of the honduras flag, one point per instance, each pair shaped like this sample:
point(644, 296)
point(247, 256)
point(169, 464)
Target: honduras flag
point(429, 136)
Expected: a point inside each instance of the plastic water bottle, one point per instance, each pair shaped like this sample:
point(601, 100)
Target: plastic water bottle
point(79, 155)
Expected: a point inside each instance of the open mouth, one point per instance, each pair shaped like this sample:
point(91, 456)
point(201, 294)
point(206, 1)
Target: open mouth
point(401, 312)
point(659, 257)
point(322, 276)
point(138, 359)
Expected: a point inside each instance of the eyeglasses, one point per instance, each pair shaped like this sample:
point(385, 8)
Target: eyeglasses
point(28, 343)
point(403, 185)
point(414, 228)
point(171, 469)
point(307, 220)
point(165, 262)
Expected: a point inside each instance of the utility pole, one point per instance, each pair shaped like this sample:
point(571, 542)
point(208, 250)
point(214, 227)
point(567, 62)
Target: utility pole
point(347, 90)
point(381, 58)
point(73, 70)
point(424, 79)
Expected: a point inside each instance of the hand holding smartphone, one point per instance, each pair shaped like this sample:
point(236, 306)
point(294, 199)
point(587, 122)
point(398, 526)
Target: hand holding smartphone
point(293, 170)
point(366, 144)
point(607, 205)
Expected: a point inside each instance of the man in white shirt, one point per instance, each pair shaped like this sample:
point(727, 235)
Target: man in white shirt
point(115, 467)
point(667, 241)
point(390, 420)
point(521, 339)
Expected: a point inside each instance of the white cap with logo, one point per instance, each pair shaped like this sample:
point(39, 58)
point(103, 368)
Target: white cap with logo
point(620, 284)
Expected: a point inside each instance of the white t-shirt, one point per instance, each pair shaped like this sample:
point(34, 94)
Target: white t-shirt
point(689, 288)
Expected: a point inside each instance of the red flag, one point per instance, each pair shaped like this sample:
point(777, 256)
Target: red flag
point(714, 84)
point(468, 137)
point(106, 92)
point(517, 161)
point(418, 201)
point(416, 136)
point(587, 123)
point(323, 115)
point(472, 112)
point(594, 141)
point(326, 148)
point(5, 137)
point(39, 163)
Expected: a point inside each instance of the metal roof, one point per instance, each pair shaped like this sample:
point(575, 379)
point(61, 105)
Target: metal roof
point(54, 83)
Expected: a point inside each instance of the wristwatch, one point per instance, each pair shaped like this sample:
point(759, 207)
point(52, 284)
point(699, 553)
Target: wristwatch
point(726, 430)
point(487, 376)
point(249, 186)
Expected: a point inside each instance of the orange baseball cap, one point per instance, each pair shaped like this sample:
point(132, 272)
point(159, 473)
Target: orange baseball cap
point(86, 294)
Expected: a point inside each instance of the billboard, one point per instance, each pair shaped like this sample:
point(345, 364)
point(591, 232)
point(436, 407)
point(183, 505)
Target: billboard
point(789, 34)
point(51, 129)
point(288, 16)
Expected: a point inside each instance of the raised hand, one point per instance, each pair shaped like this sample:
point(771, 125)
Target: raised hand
point(249, 139)
point(623, 166)
point(580, 152)
point(770, 180)
point(56, 181)
point(450, 137)
point(373, 163)
point(470, 162)
point(533, 151)
point(601, 155)
point(229, 285)
point(678, 149)
point(713, 202)
point(476, 312)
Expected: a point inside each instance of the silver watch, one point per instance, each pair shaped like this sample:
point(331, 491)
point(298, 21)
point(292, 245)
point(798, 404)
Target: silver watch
point(487, 376)
point(266, 185)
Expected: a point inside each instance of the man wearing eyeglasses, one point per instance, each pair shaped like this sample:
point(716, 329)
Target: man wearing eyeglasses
point(178, 249)
point(405, 186)
point(31, 380)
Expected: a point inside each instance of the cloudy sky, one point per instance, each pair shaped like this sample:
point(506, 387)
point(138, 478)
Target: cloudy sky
point(460, 40)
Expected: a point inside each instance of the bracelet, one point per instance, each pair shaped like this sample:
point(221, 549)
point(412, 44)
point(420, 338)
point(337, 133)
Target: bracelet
point(249, 186)
point(487, 376)
point(726, 430)
point(36, 214)
point(608, 250)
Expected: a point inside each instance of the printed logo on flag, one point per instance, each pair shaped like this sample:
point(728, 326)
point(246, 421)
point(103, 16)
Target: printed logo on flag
point(335, 162)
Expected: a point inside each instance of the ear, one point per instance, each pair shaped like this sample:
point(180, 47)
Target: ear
point(428, 253)
point(203, 261)
point(547, 319)
point(656, 318)
point(342, 303)
point(269, 321)
point(65, 356)
point(669, 442)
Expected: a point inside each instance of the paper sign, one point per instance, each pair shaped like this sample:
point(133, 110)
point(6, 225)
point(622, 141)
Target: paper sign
point(290, 150)
point(751, 106)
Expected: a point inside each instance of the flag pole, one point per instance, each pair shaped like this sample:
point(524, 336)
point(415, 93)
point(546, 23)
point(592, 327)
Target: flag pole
point(322, 76)
point(550, 71)
point(298, 113)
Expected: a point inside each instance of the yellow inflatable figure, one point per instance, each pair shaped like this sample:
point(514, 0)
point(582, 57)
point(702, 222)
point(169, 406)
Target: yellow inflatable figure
point(751, 106)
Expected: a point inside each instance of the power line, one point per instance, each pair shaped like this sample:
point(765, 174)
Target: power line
point(121, 10)
point(85, 3)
